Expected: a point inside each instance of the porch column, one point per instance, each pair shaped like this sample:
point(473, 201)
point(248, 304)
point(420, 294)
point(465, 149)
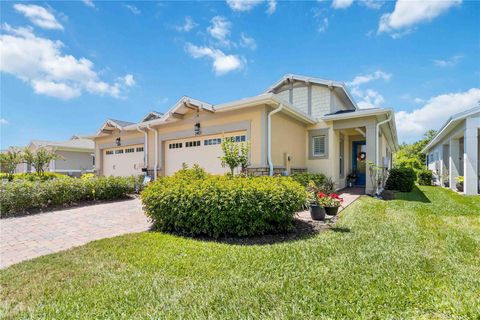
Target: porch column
point(440, 164)
point(371, 135)
point(454, 160)
point(470, 157)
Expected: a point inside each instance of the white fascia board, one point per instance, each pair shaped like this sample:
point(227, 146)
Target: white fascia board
point(357, 114)
point(447, 125)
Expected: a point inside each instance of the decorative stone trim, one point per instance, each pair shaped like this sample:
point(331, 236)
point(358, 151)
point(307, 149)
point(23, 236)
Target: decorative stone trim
point(298, 170)
point(264, 171)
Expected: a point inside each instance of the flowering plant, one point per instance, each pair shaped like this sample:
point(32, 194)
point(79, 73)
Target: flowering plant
point(329, 200)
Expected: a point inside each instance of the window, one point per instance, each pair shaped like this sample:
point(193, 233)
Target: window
point(129, 150)
point(139, 149)
point(177, 145)
point(109, 152)
point(119, 151)
point(192, 144)
point(211, 142)
point(318, 145)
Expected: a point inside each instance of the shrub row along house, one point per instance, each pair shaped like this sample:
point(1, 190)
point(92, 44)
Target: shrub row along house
point(74, 156)
point(453, 151)
point(298, 124)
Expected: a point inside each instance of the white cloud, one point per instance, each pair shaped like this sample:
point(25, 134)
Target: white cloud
point(243, 5)
point(418, 100)
point(448, 63)
point(434, 113)
point(222, 63)
point(372, 4)
point(362, 79)
point(132, 9)
point(371, 99)
point(220, 29)
point(272, 6)
point(38, 16)
point(129, 80)
point(41, 63)
point(322, 27)
point(341, 4)
point(187, 26)
point(409, 13)
point(89, 3)
point(3, 121)
point(368, 98)
point(247, 42)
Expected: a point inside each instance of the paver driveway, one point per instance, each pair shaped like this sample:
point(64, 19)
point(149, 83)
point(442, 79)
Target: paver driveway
point(28, 237)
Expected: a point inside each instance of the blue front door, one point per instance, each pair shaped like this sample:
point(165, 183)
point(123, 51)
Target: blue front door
point(359, 155)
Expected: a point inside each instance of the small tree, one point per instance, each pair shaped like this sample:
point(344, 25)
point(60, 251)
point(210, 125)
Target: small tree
point(235, 154)
point(9, 161)
point(244, 149)
point(28, 158)
point(41, 158)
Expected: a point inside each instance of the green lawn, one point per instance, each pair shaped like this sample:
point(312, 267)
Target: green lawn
point(414, 257)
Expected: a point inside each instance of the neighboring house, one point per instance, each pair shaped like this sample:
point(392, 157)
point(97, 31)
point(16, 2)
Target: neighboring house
point(299, 124)
point(454, 151)
point(76, 156)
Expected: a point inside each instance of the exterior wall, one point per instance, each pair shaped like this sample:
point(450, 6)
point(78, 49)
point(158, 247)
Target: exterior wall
point(74, 160)
point(288, 138)
point(321, 165)
point(320, 101)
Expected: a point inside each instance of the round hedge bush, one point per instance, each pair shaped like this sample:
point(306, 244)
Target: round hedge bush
point(401, 179)
point(222, 205)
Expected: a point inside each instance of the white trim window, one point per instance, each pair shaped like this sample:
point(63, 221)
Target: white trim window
point(318, 146)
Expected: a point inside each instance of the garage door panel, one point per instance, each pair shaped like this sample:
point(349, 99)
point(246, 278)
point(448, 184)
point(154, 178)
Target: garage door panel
point(123, 161)
point(204, 151)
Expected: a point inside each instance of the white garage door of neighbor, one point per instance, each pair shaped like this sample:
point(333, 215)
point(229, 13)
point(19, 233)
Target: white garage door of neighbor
point(123, 161)
point(204, 151)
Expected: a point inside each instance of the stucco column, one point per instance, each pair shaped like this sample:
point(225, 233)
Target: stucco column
point(371, 135)
point(470, 157)
point(440, 163)
point(454, 162)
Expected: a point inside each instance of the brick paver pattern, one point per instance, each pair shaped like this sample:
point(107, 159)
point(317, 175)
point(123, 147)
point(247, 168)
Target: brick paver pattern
point(27, 237)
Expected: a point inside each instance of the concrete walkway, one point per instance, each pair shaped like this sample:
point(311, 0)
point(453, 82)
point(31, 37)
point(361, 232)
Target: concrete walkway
point(27, 237)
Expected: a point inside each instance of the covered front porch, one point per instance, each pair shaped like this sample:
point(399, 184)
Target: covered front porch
point(360, 142)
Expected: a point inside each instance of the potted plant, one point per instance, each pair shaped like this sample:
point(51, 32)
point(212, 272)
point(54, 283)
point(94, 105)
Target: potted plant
point(351, 179)
point(317, 212)
point(445, 177)
point(459, 184)
point(330, 202)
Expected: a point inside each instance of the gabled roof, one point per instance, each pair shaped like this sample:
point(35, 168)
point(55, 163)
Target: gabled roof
point(112, 124)
point(450, 124)
point(329, 83)
point(77, 143)
point(151, 116)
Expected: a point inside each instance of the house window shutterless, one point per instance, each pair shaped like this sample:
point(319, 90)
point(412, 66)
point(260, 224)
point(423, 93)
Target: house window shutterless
point(318, 146)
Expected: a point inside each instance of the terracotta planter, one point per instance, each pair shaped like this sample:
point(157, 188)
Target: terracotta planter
point(331, 211)
point(317, 212)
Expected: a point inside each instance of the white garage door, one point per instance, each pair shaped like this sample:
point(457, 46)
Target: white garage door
point(204, 151)
point(123, 161)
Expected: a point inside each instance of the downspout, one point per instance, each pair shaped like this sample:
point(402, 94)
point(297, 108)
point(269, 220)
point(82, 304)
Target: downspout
point(156, 152)
point(145, 147)
point(269, 137)
point(379, 190)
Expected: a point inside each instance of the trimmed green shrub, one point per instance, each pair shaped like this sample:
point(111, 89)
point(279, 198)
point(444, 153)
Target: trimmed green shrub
point(19, 196)
point(87, 176)
point(401, 179)
point(304, 178)
point(425, 177)
point(35, 177)
point(223, 205)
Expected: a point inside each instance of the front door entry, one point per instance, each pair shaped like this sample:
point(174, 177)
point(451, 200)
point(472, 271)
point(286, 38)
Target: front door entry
point(359, 165)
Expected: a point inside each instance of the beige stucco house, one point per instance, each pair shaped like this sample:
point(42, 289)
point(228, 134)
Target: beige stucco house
point(454, 151)
point(298, 124)
point(76, 156)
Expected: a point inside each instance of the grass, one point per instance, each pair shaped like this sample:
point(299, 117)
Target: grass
point(414, 257)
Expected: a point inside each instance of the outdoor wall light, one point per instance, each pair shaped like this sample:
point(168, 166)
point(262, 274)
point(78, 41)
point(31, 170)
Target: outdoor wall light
point(197, 128)
point(118, 141)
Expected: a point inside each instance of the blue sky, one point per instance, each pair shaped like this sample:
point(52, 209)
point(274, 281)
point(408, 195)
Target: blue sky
point(68, 66)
